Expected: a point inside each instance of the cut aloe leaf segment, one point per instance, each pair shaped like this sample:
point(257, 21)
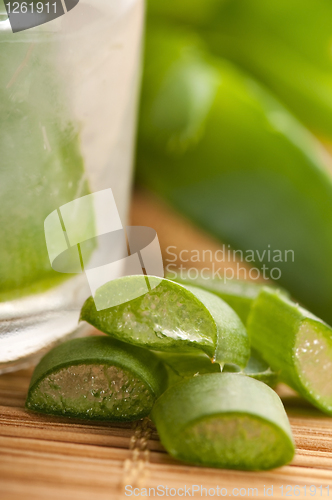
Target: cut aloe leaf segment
point(295, 342)
point(172, 317)
point(190, 365)
point(186, 365)
point(256, 368)
point(97, 378)
point(224, 420)
point(237, 293)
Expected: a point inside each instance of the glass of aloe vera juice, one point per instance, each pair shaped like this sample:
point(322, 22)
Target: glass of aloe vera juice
point(68, 96)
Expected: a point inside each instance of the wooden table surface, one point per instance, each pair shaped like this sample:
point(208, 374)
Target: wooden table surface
point(45, 458)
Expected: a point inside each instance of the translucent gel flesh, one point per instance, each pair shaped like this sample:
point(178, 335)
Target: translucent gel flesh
point(92, 391)
point(313, 358)
point(232, 441)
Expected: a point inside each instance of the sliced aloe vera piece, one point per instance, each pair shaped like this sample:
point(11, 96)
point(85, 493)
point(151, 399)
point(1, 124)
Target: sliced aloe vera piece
point(171, 316)
point(238, 294)
point(224, 420)
point(256, 368)
point(190, 365)
point(97, 378)
point(295, 342)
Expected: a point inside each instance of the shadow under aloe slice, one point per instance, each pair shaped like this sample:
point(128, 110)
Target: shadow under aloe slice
point(295, 342)
point(97, 378)
point(224, 420)
point(171, 317)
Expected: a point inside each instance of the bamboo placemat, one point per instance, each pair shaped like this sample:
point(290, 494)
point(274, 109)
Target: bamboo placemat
point(46, 458)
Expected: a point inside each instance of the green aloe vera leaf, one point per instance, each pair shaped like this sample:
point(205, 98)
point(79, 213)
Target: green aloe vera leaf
point(284, 44)
point(190, 365)
point(296, 343)
point(272, 42)
point(97, 378)
point(238, 294)
point(171, 317)
point(41, 163)
point(190, 12)
point(224, 420)
point(183, 365)
point(233, 159)
point(256, 368)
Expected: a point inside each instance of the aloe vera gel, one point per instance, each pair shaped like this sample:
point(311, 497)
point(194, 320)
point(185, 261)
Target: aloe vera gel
point(68, 91)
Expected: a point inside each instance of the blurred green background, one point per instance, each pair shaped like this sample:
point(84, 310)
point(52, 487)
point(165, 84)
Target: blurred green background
point(234, 129)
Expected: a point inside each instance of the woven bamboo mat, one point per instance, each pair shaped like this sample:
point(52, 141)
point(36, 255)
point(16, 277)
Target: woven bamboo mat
point(46, 458)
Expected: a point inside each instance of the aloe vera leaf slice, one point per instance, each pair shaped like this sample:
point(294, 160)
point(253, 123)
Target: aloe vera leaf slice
point(190, 365)
point(232, 341)
point(295, 342)
point(186, 365)
point(224, 420)
point(171, 316)
point(238, 294)
point(97, 378)
point(256, 368)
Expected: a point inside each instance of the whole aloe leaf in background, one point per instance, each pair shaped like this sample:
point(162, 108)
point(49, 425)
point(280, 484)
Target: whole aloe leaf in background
point(225, 152)
point(285, 44)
